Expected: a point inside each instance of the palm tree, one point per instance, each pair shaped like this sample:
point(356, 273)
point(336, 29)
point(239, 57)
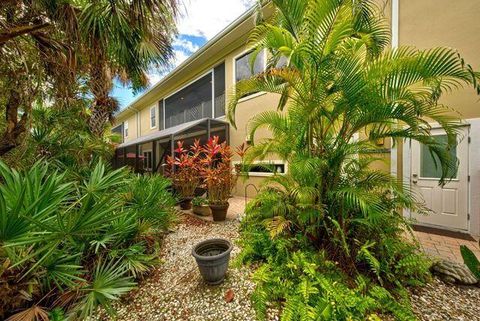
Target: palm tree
point(48, 49)
point(340, 90)
point(124, 39)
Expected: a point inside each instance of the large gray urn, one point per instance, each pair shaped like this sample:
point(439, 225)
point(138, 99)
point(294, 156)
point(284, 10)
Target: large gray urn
point(212, 258)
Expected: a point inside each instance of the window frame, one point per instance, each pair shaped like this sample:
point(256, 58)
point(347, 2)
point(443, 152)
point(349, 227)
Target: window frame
point(145, 166)
point(125, 128)
point(210, 71)
point(234, 74)
point(154, 118)
point(266, 162)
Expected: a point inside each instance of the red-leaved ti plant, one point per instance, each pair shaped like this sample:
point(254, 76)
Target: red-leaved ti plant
point(185, 169)
point(217, 171)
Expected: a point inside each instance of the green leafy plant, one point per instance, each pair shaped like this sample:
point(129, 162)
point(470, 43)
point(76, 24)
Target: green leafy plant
point(218, 171)
point(199, 201)
point(471, 261)
point(77, 245)
point(341, 89)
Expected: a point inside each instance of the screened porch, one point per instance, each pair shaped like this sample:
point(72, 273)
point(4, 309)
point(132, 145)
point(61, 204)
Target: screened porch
point(148, 154)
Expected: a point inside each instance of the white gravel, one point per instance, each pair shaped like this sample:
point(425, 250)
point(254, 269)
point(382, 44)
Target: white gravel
point(439, 301)
point(175, 290)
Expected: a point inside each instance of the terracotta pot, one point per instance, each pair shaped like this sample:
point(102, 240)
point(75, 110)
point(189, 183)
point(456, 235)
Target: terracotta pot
point(186, 203)
point(212, 258)
point(219, 211)
point(202, 210)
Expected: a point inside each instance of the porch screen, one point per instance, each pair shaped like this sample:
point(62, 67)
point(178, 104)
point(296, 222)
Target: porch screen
point(191, 103)
point(219, 91)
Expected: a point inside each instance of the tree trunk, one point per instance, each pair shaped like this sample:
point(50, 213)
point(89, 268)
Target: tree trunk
point(103, 106)
point(15, 127)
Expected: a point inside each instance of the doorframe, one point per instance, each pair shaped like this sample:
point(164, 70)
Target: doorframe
point(473, 169)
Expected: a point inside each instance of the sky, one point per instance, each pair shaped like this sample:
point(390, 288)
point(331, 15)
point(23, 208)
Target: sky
point(199, 22)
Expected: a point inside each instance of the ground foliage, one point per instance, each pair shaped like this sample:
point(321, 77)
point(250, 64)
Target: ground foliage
point(329, 235)
point(68, 246)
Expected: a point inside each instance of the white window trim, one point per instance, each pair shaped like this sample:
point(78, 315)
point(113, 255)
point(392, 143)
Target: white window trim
point(150, 117)
point(260, 93)
point(125, 128)
point(272, 162)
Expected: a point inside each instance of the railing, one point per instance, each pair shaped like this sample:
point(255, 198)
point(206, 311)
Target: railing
point(202, 110)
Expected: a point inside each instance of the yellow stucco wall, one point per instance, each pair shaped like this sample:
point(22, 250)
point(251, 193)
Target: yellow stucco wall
point(445, 23)
point(132, 127)
point(422, 23)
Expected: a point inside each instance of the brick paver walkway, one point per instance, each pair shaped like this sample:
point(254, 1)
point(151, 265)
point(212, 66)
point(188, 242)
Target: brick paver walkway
point(438, 246)
point(446, 247)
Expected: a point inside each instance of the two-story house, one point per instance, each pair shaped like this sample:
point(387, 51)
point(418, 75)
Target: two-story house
point(190, 103)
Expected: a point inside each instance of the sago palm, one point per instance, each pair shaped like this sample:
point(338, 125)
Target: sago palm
point(342, 89)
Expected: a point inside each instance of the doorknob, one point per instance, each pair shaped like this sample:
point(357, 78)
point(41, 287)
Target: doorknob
point(414, 178)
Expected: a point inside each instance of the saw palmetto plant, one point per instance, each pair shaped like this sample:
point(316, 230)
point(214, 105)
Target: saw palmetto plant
point(340, 90)
point(72, 246)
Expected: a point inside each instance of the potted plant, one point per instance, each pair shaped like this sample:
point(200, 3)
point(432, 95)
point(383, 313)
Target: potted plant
point(212, 258)
point(219, 176)
point(200, 206)
point(184, 172)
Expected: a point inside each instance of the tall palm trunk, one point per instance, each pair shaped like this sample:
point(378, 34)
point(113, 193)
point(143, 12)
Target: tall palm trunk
point(103, 106)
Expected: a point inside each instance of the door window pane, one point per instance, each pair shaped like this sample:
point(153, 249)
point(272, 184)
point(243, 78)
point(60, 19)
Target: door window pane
point(430, 165)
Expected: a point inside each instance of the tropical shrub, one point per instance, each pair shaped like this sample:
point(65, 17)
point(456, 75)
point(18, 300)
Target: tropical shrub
point(341, 90)
point(199, 201)
point(62, 138)
point(470, 260)
point(218, 171)
point(185, 169)
point(68, 246)
point(198, 165)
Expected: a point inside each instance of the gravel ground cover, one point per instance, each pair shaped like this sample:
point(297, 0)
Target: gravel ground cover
point(175, 290)
point(439, 301)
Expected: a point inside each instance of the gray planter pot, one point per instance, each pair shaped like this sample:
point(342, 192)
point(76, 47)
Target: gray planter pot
point(212, 258)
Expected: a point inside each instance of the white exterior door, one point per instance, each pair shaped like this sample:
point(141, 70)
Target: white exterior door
point(448, 203)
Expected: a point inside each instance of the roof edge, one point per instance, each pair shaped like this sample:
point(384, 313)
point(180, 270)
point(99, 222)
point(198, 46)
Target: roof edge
point(247, 14)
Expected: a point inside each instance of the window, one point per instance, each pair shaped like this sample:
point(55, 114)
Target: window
point(191, 103)
point(282, 62)
point(430, 165)
point(161, 123)
point(147, 160)
point(243, 68)
point(125, 129)
point(265, 168)
point(153, 120)
point(118, 130)
point(203, 98)
point(219, 90)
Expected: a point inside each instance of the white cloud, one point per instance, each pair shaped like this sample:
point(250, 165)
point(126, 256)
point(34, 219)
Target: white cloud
point(155, 76)
point(201, 18)
point(180, 56)
point(208, 17)
point(186, 45)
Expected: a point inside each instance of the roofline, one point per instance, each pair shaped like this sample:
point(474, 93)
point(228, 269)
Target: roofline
point(247, 14)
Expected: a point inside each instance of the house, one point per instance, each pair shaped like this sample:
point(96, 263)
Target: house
point(190, 103)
